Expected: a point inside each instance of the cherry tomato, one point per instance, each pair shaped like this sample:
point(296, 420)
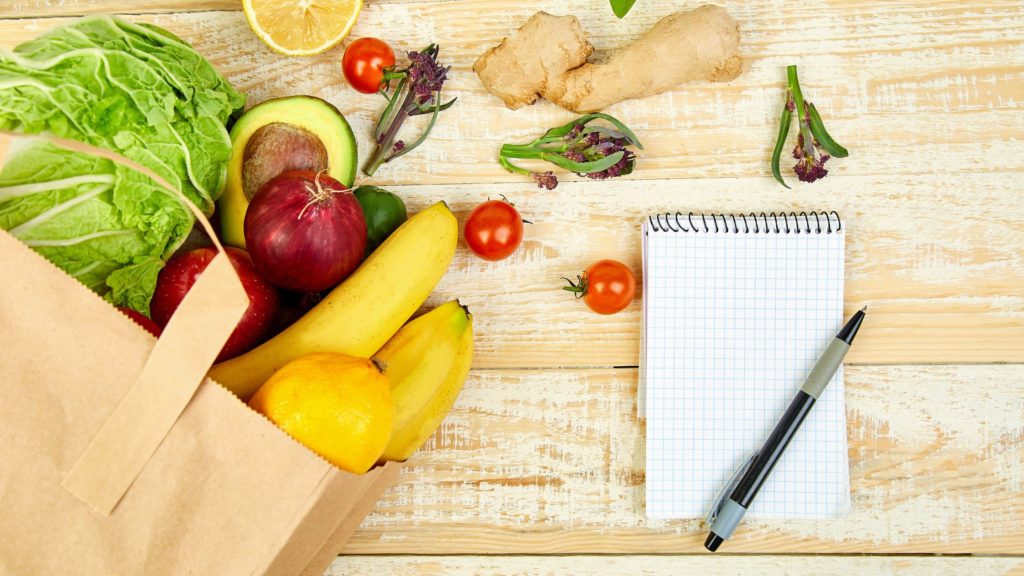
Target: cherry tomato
point(607, 286)
point(494, 230)
point(364, 62)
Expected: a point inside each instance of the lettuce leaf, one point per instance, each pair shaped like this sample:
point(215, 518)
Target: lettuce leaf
point(108, 226)
point(135, 89)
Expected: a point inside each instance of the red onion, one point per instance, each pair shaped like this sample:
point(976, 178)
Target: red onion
point(305, 231)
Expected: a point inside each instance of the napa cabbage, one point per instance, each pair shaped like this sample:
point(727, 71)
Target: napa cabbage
point(137, 90)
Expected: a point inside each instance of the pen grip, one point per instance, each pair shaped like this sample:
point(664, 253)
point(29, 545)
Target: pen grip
point(826, 367)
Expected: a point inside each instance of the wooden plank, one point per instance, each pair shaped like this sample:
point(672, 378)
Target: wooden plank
point(65, 8)
point(936, 257)
point(911, 89)
point(547, 461)
point(720, 565)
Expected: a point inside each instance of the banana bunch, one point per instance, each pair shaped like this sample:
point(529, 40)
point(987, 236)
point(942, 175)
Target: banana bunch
point(426, 363)
point(365, 310)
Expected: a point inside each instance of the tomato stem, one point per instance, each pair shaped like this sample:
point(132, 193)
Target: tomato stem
point(579, 287)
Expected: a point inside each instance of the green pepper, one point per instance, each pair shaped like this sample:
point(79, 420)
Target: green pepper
point(384, 212)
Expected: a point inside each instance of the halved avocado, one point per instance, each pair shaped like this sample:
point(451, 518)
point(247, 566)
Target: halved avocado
point(306, 112)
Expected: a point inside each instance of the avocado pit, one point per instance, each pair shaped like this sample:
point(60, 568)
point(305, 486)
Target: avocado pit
point(276, 148)
point(290, 133)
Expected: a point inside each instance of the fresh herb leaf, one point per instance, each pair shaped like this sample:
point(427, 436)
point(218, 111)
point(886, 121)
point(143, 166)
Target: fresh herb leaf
point(594, 151)
point(622, 7)
point(798, 101)
point(784, 124)
point(583, 167)
point(561, 131)
point(429, 108)
point(823, 137)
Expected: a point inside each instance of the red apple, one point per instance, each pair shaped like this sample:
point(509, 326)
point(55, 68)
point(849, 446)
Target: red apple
point(141, 320)
point(181, 273)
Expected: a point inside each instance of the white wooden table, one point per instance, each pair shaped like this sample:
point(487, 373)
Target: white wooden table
point(540, 469)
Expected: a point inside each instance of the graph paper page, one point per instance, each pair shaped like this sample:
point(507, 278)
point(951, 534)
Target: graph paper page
point(733, 324)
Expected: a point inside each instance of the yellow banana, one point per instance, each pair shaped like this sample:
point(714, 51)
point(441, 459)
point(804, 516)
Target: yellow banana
point(417, 359)
point(407, 439)
point(362, 313)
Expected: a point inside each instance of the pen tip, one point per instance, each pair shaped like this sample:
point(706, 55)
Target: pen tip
point(865, 308)
point(713, 541)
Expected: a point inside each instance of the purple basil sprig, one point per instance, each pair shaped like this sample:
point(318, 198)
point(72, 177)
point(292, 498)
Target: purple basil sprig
point(814, 145)
point(595, 151)
point(418, 91)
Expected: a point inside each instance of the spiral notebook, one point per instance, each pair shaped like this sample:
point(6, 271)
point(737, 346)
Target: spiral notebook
point(737, 309)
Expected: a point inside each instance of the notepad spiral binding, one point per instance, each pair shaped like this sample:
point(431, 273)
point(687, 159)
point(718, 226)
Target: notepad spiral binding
point(774, 222)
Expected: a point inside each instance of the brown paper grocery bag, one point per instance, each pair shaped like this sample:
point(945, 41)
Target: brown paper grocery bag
point(120, 457)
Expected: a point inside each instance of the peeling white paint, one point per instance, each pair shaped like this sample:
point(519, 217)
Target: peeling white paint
point(718, 565)
point(937, 463)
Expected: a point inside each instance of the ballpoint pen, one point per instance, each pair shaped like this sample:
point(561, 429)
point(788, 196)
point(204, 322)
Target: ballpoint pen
point(727, 511)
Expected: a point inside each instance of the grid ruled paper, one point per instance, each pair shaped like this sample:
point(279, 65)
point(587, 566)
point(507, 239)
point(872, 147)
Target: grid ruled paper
point(733, 323)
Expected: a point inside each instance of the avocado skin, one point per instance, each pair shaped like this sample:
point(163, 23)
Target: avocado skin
point(307, 112)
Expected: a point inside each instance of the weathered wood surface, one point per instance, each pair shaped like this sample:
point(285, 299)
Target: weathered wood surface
point(552, 461)
point(720, 565)
point(64, 8)
point(937, 259)
point(911, 89)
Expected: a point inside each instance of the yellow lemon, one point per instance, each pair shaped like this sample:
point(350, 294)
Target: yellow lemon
point(336, 405)
point(301, 27)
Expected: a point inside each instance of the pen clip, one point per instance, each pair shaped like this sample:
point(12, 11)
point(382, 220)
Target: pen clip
point(729, 486)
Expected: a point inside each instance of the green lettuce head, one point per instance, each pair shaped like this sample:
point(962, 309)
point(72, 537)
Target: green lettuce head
point(134, 89)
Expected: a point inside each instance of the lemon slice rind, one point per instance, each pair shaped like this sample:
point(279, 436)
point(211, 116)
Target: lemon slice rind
point(346, 9)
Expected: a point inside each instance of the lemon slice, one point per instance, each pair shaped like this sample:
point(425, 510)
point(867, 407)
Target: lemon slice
point(301, 27)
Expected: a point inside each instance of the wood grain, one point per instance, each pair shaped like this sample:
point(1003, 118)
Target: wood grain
point(66, 8)
point(721, 565)
point(552, 461)
point(913, 89)
point(936, 257)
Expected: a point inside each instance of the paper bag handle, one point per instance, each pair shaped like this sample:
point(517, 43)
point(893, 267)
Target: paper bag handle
point(176, 367)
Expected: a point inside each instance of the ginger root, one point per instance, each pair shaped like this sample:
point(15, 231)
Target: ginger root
point(547, 57)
